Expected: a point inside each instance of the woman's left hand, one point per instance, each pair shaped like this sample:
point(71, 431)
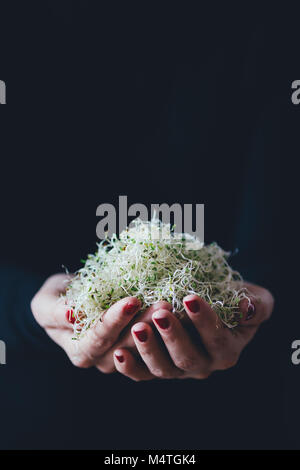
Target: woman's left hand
point(174, 354)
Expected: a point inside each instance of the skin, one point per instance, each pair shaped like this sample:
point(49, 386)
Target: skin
point(152, 344)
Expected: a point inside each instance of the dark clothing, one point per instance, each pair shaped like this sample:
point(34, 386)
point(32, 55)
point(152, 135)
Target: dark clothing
point(162, 105)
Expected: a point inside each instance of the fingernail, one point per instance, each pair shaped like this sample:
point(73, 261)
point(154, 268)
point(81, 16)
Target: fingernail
point(120, 357)
point(192, 305)
point(130, 308)
point(141, 335)
point(250, 312)
point(70, 316)
point(163, 323)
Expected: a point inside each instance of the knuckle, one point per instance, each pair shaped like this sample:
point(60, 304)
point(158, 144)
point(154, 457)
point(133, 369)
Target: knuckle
point(36, 311)
point(161, 304)
point(33, 303)
point(80, 361)
point(34, 306)
point(186, 363)
point(160, 373)
point(106, 369)
point(55, 279)
point(218, 342)
point(98, 341)
point(268, 304)
point(52, 278)
point(264, 303)
point(202, 375)
point(105, 342)
point(118, 323)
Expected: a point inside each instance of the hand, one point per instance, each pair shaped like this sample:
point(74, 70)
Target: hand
point(50, 311)
point(174, 354)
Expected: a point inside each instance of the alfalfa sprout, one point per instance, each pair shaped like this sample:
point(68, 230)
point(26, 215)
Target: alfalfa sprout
point(149, 261)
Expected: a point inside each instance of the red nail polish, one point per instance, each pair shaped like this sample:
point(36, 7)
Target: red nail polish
point(141, 335)
point(163, 323)
point(251, 312)
point(70, 316)
point(192, 305)
point(130, 308)
point(120, 357)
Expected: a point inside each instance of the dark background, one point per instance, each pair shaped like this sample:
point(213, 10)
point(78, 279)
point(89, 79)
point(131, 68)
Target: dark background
point(164, 102)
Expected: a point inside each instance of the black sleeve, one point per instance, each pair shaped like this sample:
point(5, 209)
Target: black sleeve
point(258, 234)
point(23, 337)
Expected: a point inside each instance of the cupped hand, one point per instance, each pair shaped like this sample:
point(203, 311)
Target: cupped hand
point(175, 353)
point(50, 311)
point(158, 344)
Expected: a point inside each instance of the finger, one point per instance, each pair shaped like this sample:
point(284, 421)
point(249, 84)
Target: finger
point(222, 345)
point(154, 355)
point(183, 352)
point(161, 304)
point(75, 352)
point(201, 314)
point(99, 338)
point(126, 340)
point(249, 322)
point(57, 283)
point(127, 364)
point(106, 364)
point(257, 308)
point(49, 308)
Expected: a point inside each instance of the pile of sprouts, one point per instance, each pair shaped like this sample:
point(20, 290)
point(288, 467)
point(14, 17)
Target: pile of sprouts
point(151, 262)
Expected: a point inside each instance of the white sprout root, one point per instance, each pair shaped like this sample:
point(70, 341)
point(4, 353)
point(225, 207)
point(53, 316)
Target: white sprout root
point(152, 263)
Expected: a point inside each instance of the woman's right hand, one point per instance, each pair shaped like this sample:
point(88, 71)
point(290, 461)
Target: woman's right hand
point(97, 346)
point(49, 309)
